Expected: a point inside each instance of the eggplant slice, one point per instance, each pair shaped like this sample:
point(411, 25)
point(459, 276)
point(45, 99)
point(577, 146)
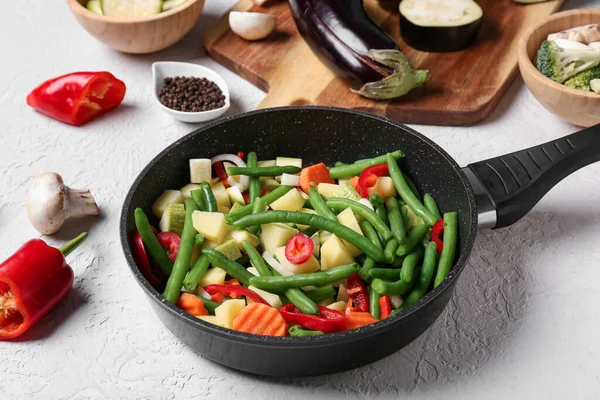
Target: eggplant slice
point(440, 26)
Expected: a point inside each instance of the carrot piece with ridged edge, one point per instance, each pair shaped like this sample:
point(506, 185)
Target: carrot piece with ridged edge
point(191, 305)
point(313, 175)
point(260, 319)
point(357, 319)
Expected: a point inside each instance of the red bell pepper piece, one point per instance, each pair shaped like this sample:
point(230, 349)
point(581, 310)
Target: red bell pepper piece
point(436, 231)
point(32, 282)
point(299, 248)
point(142, 261)
point(385, 306)
point(357, 291)
point(327, 321)
point(229, 290)
point(368, 178)
point(79, 97)
point(169, 241)
point(222, 174)
point(241, 154)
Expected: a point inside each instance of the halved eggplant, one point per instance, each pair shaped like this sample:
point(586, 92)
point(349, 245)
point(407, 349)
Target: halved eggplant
point(440, 26)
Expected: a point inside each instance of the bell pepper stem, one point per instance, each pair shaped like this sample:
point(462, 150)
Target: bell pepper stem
point(73, 244)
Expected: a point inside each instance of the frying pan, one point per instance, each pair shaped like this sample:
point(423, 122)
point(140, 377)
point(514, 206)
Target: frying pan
point(488, 194)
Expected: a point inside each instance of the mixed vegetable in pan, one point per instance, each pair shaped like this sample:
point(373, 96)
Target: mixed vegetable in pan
point(272, 248)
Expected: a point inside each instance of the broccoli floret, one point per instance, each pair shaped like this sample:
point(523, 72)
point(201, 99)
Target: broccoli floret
point(560, 64)
point(582, 80)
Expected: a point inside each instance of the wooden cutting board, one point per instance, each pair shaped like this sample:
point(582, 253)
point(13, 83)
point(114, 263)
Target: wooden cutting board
point(464, 87)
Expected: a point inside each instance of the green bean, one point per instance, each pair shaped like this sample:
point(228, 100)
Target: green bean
point(425, 277)
point(316, 221)
point(298, 331)
point(267, 198)
point(398, 262)
point(386, 274)
point(362, 210)
point(409, 264)
point(196, 273)
point(398, 287)
point(404, 213)
point(345, 171)
point(339, 164)
point(412, 186)
point(390, 251)
point(376, 200)
point(449, 249)
point(374, 307)
point(263, 171)
point(301, 280)
point(254, 185)
point(320, 294)
point(199, 239)
point(181, 266)
point(383, 214)
point(209, 305)
point(209, 197)
point(298, 298)
point(364, 271)
point(414, 239)
point(234, 269)
point(370, 233)
point(256, 259)
point(199, 199)
point(319, 205)
point(156, 251)
point(407, 194)
point(432, 206)
point(395, 218)
point(259, 206)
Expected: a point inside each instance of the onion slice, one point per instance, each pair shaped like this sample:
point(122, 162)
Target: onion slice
point(244, 181)
point(275, 264)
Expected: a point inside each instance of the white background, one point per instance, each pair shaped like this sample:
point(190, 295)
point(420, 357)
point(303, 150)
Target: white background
point(523, 322)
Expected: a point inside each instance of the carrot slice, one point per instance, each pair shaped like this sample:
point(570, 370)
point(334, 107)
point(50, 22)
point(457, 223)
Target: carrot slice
point(313, 175)
point(260, 319)
point(354, 182)
point(191, 305)
point(357, 319)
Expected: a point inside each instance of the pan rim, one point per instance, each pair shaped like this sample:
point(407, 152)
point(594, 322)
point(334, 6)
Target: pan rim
point(289, 341)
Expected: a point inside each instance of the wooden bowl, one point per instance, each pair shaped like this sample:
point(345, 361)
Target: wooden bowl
point(139, 35)
point(575, 106)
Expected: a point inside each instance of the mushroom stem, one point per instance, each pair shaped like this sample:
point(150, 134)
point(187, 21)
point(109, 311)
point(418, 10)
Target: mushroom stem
point(80, 203)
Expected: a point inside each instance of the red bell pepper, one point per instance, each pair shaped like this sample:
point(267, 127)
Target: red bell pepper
point(169, 241)
point(357, 291)
point(385, 306)
point(79, 97)
point(327, 321)
point(228, 290)
point(436, 232)
point(241, 154)
point(222, 174)
point(368, 178)
point(142, 261)
point(299, 248)
point(32, 282)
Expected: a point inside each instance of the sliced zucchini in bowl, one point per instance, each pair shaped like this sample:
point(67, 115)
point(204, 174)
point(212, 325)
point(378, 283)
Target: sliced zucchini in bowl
point(95, 6)
point(131, 8)
point(440, 25)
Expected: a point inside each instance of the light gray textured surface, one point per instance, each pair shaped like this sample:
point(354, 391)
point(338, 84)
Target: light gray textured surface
point(523, 322)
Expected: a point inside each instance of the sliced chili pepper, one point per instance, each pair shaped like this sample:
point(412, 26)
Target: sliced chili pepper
point(169, 241)
point(299, 249)
point(78, 97)
point(368, 178)
point(436, 232)
point(327, 321)
point(386, 306)
point(219, 297)
point(241, 154)
point(142, 261)
point(357, 291)
point(222, 174)
point(231, 290)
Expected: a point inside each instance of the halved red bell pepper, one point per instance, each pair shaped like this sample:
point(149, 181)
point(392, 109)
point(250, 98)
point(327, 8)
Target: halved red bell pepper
point(368, 178)
point(228, 290)
point(327, 321)
point(78, 97)
point(32, 282)
point(385, 306)
point(357, 291)
point(222, 174)
point(142, 261)
point(169, 241)
point(436, 232)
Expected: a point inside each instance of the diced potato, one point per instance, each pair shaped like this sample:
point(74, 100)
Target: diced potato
point(221, 195)
point(304, 195)
point(283, 161)
point(306, 211)
point(272, 299)
point(211, 225)
point(342, 294)
point(266, 163)
point(311, 265)
point(317, 242)
point(241, 235)
point(186, 191)
point(383, 187)
point(290, 180)
point(235, 196)
point(347, 218)
point(167, 197)
point(268, 183)
point(413, 219)
point(326, 302)
point(396, 301)
point(235, 207)
point(276, 235)
point(227, 311)
point(323, 236)
point(327, 190)
point(228, 165)
point(230, 250)
point(291, 201)
point(209, 245)
point(211, 319)
point(200, 170)
point(253, 271)
point(223, 209)
point(338, 305)
point(214, 276)
point(334, 254)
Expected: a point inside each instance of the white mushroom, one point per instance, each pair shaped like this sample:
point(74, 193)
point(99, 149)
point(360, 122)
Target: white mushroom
point(50, 203)
point(594, 45)
point(570, 44)
point(583, 34)
point(251, 25)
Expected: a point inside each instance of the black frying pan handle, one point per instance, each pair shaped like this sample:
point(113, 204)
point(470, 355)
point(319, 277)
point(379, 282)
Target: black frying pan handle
point(516, 182)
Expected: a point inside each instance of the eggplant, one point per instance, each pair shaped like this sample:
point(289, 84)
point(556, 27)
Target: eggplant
point(440, 26)
point(346, 40)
